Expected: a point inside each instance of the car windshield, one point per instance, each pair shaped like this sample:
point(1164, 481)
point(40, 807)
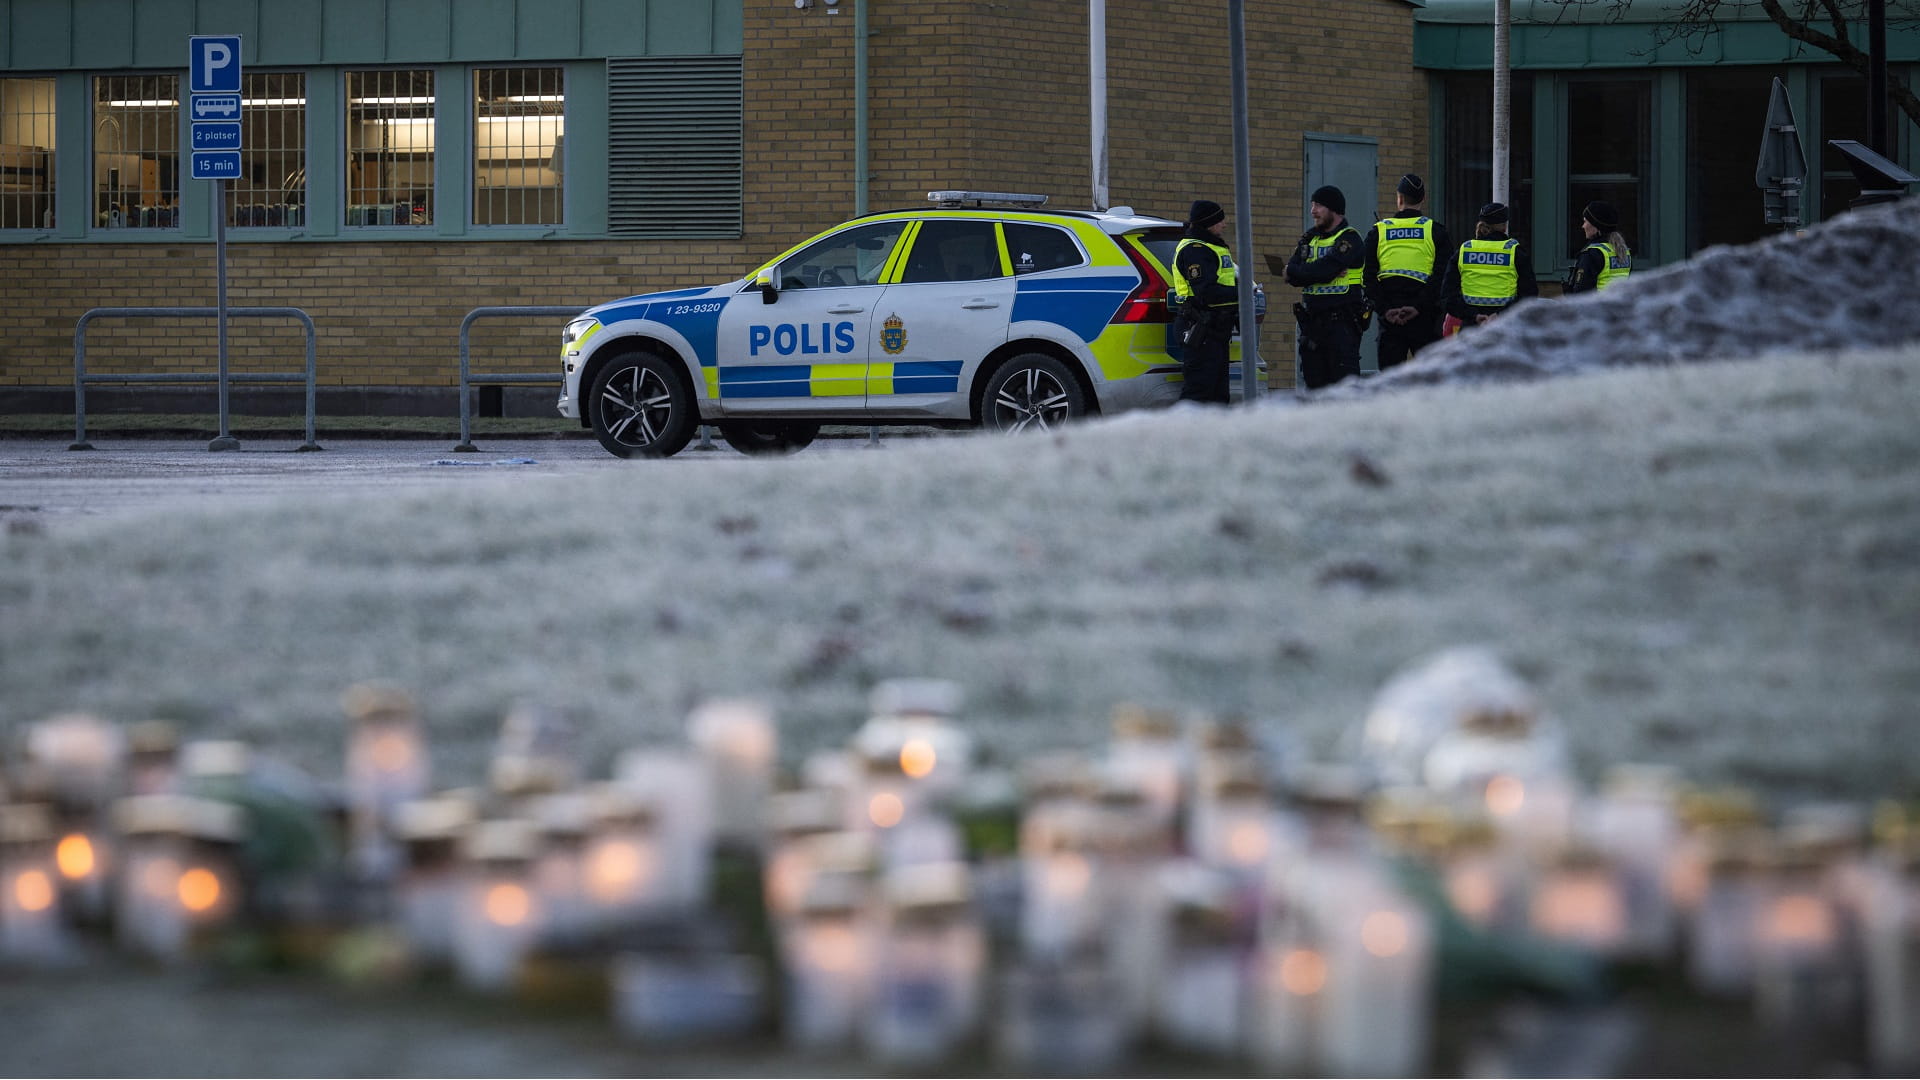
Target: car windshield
point(853, 256)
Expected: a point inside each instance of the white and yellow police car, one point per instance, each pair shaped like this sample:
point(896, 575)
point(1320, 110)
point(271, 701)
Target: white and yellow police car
point(982, 309)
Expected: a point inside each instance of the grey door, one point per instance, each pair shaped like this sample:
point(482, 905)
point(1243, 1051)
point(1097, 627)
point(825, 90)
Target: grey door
point(1352, 164)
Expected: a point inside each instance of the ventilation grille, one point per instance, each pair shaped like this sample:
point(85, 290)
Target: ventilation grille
point(674, 152)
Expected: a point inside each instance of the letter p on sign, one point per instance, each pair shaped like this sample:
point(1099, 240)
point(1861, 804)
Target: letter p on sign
point(214, 64)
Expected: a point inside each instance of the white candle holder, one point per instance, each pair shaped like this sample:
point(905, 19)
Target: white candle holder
point(740, 745)
point(1149, 750)
point(676, 785)
point(798, 817)
point(1581, 900)
point(432, 833)
point(929, 966)
point(386, 765)
point(32, 932)
point(622, 866)
point(1636, 822)
point(828, 948)
point(1890, 950)
point(77, 760)
point(500, 918)
point(178, 877)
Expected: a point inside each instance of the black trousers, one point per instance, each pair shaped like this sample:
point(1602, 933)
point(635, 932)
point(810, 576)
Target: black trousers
point(1329, 348)
point(1398, 344)
point(1203, 367)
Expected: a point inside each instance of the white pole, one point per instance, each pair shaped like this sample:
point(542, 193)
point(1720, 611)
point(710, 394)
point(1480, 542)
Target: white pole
point(1097, 60)
point(1502, 96)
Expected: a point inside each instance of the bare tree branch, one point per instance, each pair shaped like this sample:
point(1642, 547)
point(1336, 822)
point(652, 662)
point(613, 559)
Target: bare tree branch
point(1697, 20)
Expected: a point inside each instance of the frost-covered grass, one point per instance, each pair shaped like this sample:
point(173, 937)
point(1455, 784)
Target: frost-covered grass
point(1715, 565)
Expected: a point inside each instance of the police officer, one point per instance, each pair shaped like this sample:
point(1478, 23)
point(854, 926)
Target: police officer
point(1407, 256)
point(1206, 288)
point(1491, 273)
point(1602, 262)
point(1328, 265)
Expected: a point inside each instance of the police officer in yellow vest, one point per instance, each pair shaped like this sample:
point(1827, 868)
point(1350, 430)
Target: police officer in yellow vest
point(1407, 257)
point(1491, 273)
point(1601, 262)
point(1327, 265)
point(1207, 292)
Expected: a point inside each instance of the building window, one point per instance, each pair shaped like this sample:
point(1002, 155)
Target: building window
point(272, 188)
point(136, 151)
point(1843, 115)
point(1720, 156)
point(519, 132)
point(390, 137)
point(1469, 153)
point(1609, 155)
point(26, 154)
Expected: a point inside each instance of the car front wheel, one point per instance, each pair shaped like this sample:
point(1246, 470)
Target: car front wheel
point(1031, 392)
point(766, 437)
point(641, 406)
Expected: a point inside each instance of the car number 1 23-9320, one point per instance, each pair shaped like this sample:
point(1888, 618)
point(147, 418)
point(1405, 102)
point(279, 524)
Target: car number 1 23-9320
point(695, 309)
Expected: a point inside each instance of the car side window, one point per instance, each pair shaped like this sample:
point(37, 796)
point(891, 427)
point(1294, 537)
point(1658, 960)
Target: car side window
point(953, 250)
point(1034, 248)
point(849, 257)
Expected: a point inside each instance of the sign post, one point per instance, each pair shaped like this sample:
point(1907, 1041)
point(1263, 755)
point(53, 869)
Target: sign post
point(213, 82)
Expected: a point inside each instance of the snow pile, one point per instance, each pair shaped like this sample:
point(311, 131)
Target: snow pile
point(1851, 282)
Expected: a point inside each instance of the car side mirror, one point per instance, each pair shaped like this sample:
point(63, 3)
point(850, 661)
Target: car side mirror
point(768, 294)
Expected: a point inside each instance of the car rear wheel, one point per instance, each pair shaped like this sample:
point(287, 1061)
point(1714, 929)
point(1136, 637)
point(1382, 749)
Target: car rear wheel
point(642, 407)
point(764, 437)
point(1031, 392)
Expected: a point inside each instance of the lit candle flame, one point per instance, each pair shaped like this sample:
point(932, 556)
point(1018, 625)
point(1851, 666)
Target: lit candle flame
point(1505, 796)
point(199, 890)
point(613, 870)
point(1247, 842)
point(886, 810)
point(33, 891)
point(508, 904)
point(74, 856)
point(1303, 972)
point(1384, 934)
point(391, 751)
point(917, 758)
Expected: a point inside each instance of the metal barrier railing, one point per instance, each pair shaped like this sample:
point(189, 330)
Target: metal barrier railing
point(468, 378)
point(81, 379)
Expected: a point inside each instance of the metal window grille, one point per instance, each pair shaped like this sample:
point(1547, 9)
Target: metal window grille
point(272, 188)
point(136, 151)
point(519, 140)
point(26, 153)
point(674, 147)
point(390, 137)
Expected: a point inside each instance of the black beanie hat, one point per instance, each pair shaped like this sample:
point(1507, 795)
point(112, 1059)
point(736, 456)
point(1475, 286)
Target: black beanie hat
point(1494, 213)
point(1602, 214)
point(1330, 197)
point(1204, 213)
point(1414, 188)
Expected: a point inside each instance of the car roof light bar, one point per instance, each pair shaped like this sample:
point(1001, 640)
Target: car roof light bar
point(981, 198)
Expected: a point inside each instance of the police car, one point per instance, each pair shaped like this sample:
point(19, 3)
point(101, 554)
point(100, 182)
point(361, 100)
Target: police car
point(981, 310)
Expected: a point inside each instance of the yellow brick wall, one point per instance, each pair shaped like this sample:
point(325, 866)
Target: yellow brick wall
point(990, 96)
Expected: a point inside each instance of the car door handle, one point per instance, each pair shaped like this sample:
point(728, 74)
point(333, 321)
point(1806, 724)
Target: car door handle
point(980, 303)
point(845, 310)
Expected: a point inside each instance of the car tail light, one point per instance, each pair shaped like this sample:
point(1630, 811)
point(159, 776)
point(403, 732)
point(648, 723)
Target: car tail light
point(1148, 302)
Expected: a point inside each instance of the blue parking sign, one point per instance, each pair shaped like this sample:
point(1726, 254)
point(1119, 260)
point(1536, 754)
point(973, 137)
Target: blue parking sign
point(213, 64)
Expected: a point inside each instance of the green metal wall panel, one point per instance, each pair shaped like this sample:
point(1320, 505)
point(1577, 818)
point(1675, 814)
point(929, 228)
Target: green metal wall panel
point(586, 181)
point(288, 38)
point(615, 27)
point(160, 32)
point(546, 33)
point(354, 32)
point(1466, 47)
point(96, 35)
point(419, 30)
point(678, 30)
point(39, 34)
point(108, 41)
point(230, 17)
point(484, 28)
